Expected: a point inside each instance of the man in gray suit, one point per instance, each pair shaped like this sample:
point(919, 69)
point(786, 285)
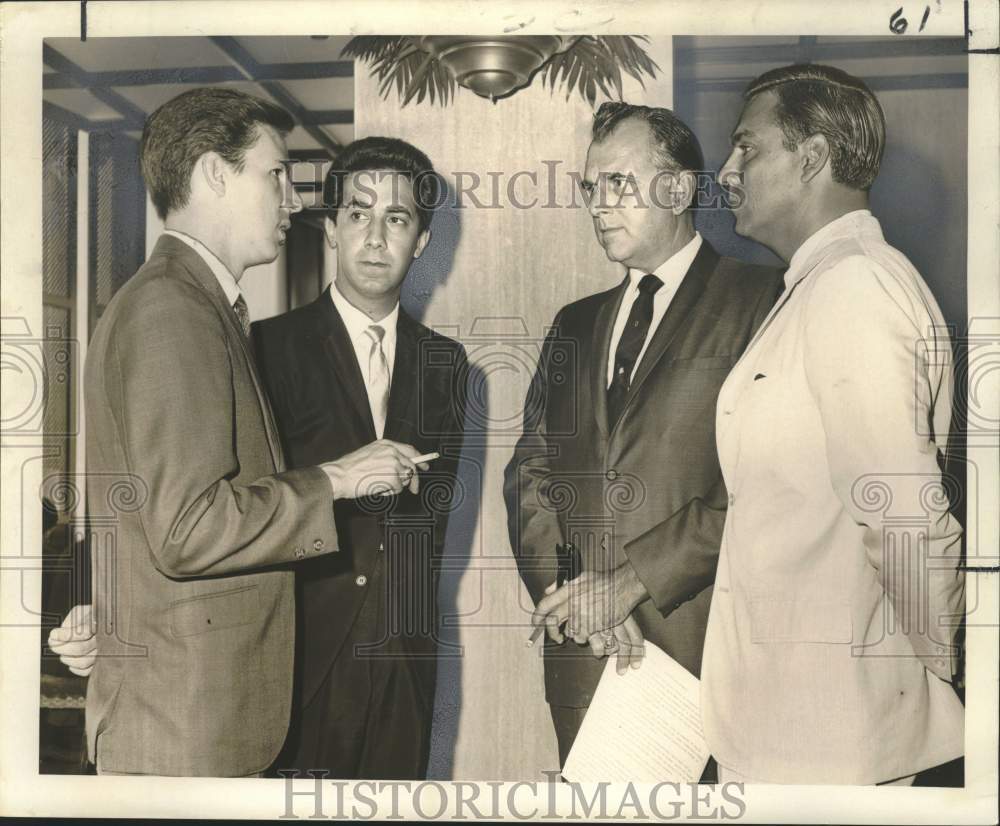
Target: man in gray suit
point(194, 600)
point(617, 464)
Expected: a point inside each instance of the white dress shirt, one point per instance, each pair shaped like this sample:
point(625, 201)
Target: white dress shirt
point(831, 628)
point(671, 272)
point(221, 272)
point(357, 322)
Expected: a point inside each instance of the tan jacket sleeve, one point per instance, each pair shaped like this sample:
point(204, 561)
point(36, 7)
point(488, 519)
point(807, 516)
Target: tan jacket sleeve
point(171, 389)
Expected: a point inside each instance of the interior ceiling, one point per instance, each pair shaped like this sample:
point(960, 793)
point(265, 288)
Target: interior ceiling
point(113, 83)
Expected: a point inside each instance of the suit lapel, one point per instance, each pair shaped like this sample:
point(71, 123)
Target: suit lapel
point(202, 274)
point(603, 327)
point(338, 349)
point(404, 375)
point(690, 290)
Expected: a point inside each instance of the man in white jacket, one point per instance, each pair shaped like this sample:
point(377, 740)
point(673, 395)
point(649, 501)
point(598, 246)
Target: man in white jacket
point(830, 641)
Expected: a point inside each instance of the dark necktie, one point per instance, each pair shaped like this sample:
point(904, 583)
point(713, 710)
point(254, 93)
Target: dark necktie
point(240, 307)
point(630, 345)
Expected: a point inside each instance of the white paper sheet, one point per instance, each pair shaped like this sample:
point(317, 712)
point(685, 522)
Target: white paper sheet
point(643, 726)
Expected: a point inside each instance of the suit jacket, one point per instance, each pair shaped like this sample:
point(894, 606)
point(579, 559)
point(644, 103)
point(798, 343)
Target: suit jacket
point(194, 607)
point(313, 378)
point(838, 594)
point(647, 489)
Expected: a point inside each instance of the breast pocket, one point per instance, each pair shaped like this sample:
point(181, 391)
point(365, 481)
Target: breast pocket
point(213, 612)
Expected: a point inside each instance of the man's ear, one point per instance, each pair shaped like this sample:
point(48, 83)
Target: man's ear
point(422, 240)
point(213, 171)
point(815, 155)
point(682, 191)
point(330, 231)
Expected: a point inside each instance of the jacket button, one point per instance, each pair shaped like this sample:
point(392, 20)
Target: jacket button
point(318, 545)
point(611, 475)
point(361, 581)
point(381, 547)
point(732, 499)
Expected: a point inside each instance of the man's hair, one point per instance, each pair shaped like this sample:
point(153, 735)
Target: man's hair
point(186, 127)
point(822, 100)
point(674, 145)
point(376, 154)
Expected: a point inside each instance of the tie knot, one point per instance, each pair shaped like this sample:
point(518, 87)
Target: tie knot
point(375, 333)
point(650, 284)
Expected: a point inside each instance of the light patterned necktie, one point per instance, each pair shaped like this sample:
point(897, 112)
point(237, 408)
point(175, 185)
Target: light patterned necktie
point(240, 307)
point(378, 378)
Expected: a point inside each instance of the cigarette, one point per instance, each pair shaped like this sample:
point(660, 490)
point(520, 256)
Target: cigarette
point(427, 457)
point(539, 630)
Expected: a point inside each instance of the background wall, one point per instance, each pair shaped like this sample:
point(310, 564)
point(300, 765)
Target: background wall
point(496, 278)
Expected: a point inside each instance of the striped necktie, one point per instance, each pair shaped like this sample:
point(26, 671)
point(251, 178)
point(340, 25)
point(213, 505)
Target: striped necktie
point(240, 308)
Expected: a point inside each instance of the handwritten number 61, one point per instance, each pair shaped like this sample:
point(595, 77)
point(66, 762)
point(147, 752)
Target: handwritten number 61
point(898, 23)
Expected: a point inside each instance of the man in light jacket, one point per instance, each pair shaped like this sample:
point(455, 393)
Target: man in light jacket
point(830, 641)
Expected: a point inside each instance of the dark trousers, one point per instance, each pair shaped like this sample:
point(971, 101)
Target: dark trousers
point(371, 716)
point(567, 722)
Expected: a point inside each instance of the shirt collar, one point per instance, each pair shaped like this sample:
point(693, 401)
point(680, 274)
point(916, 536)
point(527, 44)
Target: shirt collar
point(221, 272)
point(846, 224)
point(673, 270)
point(356, 321)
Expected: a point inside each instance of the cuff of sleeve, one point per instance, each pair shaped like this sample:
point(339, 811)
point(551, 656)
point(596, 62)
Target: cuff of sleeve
point(657, 573)
point(318, 532)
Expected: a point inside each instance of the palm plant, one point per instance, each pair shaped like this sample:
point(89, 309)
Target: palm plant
point(593, 63)
point(587, 64)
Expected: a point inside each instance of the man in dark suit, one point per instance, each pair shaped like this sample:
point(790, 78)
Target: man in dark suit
point(342, 372)
point(617, 462)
